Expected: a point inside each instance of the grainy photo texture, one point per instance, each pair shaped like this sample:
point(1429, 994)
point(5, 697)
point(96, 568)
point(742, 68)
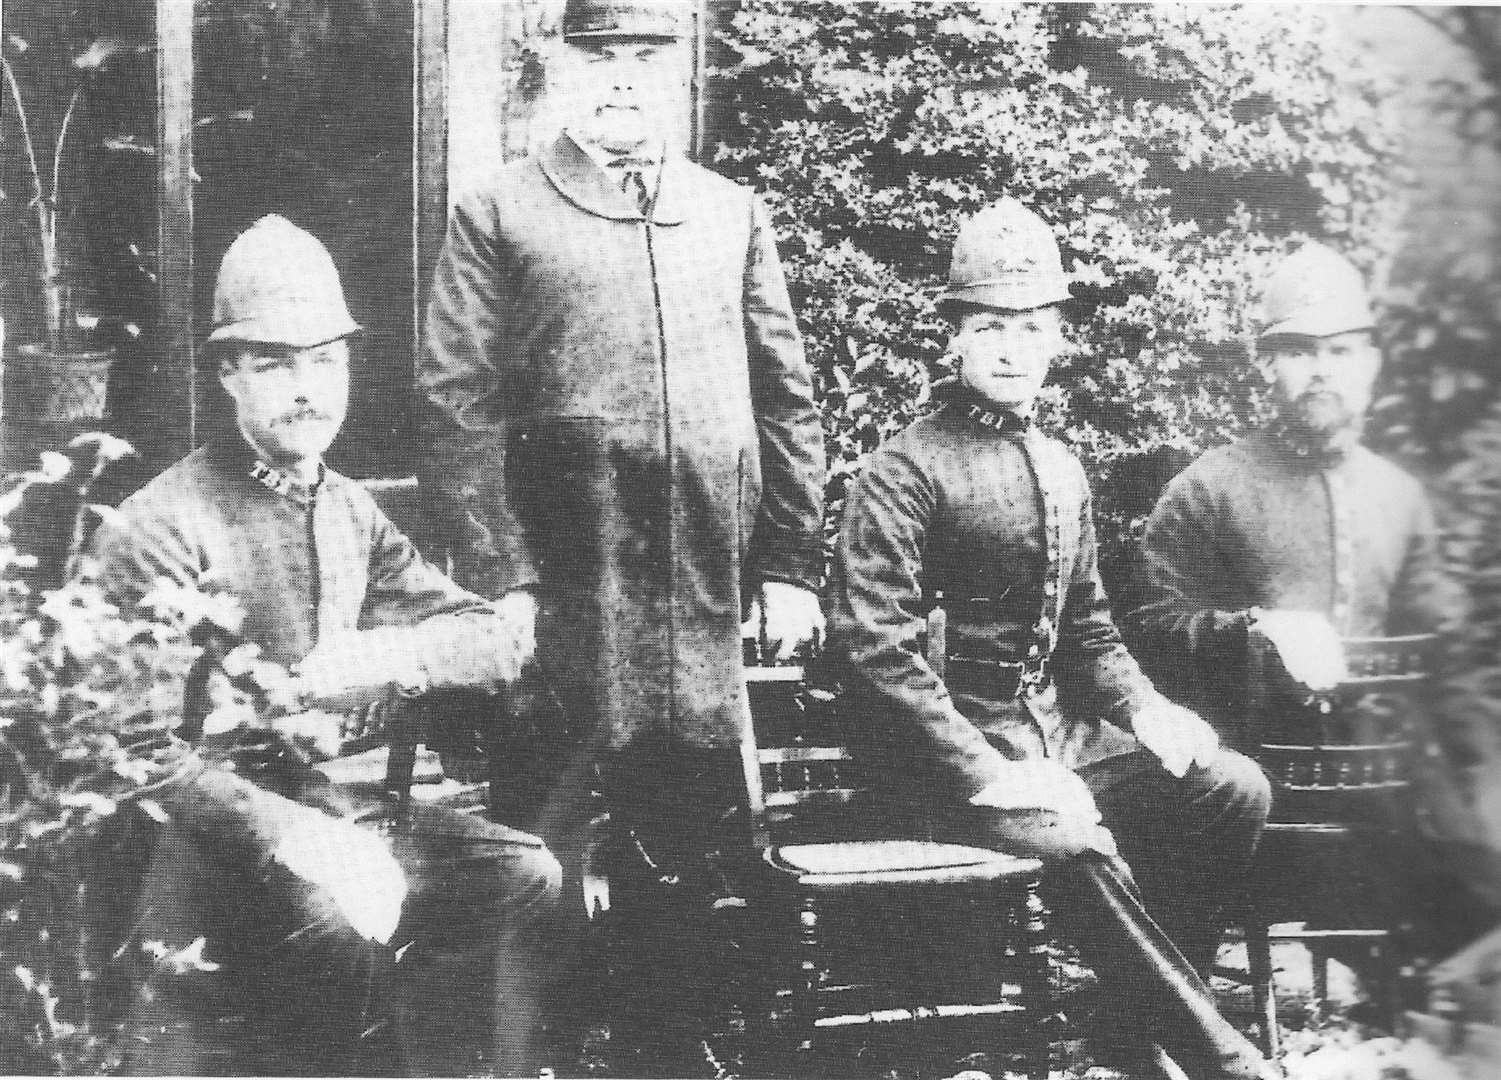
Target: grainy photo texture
point(750, 538)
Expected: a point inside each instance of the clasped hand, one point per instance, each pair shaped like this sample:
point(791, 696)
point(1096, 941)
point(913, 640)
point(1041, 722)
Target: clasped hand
point(791, 615)
point(1178, 737)
point(1310, 650)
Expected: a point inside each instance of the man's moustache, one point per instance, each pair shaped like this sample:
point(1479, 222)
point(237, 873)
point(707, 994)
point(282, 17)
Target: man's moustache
point(301, 415)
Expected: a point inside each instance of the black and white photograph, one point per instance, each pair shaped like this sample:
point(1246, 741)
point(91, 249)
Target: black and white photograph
point(869, 540)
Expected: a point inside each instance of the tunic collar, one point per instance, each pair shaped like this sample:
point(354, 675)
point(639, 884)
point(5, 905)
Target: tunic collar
point(1297, 446)
point(239, 458)
point(984, 413)
point(582, 181)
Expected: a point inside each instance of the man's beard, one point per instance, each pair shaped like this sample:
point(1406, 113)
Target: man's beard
point(1320, 420)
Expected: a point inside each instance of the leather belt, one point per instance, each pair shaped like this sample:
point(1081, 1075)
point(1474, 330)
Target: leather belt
point(997, 677)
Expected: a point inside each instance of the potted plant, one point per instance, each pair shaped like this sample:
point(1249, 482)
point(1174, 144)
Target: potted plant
point(62, 378)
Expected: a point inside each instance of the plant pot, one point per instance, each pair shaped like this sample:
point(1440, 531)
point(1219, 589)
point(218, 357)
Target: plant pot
point(42, 387)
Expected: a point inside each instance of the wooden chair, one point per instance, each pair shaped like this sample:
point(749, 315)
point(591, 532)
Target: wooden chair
point(822, 845)
point(1341, 766)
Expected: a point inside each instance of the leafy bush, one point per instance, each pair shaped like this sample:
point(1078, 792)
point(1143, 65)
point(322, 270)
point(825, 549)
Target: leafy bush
point(1176, 151)
point(87, 702)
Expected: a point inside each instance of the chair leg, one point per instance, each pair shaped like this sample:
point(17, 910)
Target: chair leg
point(805, 988)
point(1263, 994)
point(1036, 982)
point(1388, 961)
point(1319, 957)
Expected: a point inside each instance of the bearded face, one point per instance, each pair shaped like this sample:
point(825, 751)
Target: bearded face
point(1323, 385)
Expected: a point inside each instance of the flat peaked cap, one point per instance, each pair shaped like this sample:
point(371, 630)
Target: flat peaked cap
point(623, 20)
point(1314, 292)
point(1006, 257)
point(278, 285)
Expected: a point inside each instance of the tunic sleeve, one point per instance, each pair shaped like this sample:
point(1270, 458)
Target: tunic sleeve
point(876, 620)
point(1096, 675)
point(787, 544)
point(134, 550)
point(416, 618)
point(464, 387)
point(1426, 598)
point(1182, 624)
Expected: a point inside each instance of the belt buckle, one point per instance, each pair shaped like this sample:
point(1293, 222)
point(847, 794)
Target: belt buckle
point(1033, 678)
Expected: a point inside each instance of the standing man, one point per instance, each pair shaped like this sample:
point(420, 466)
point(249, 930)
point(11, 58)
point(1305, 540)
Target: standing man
point(292, 905)
point(621, 423)
point(621, 417)
point(1023, 744)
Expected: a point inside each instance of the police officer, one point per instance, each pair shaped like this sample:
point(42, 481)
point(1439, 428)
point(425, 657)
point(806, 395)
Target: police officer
point(1299, 530)
point(1026, 742)
point(262, 875)
point(1296, 527)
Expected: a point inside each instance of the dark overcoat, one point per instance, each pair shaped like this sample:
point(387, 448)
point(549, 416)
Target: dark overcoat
point(620, 417)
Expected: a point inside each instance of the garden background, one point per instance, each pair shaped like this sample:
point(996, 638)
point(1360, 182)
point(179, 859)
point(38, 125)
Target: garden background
point(1177, 150)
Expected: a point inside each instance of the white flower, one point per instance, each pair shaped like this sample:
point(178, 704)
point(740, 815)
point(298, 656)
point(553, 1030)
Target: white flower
point(88, 800)
point(180, 961)
point(108, 447)
point(241, 659)
point(228, 718)
point(54, 466)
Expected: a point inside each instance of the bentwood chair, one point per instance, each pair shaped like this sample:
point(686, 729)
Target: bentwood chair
point(860, 929)
point(1341, 766)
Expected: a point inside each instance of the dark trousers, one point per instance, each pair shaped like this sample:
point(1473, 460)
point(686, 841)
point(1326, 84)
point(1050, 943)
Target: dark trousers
point(287, 987)
point(668, 805)
point(1191, 841)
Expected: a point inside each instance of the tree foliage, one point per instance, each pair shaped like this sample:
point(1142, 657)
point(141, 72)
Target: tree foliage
point(1175, 151)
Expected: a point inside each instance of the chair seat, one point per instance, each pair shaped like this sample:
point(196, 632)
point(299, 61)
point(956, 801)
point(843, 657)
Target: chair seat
point(897, 862)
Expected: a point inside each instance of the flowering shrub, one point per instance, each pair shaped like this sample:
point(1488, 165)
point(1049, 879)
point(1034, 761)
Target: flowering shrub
point(1176, 151)
point(88, 700)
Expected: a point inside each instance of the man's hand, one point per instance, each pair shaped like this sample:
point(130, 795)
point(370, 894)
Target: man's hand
point(517, 612)
point(1039, 785)
point(313, 729)
point(793, 618)
point(350, 671)
point(354, 867)
point(1178, 737)
point(1309, 648)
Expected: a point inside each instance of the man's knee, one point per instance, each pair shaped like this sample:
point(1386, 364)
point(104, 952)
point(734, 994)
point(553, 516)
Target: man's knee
point(1036, 834)
point(534, 878)
point(521, 882)
point(1232, 784)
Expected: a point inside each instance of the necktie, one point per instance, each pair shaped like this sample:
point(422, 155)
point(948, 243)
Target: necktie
point(634, 185)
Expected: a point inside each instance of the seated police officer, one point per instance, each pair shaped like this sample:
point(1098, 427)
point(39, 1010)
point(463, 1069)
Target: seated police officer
point(298, 922)
point(1023, 746)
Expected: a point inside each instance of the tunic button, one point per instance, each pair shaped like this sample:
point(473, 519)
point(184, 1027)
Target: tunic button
point(1051, 588)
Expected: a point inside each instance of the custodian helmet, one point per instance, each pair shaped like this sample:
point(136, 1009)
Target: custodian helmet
point(278, 285)
point(1006, 257)
point(1315, 292)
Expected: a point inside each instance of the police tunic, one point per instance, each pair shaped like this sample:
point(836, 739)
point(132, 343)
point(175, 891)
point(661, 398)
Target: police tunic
point(1259, 524)
point(973, 510)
